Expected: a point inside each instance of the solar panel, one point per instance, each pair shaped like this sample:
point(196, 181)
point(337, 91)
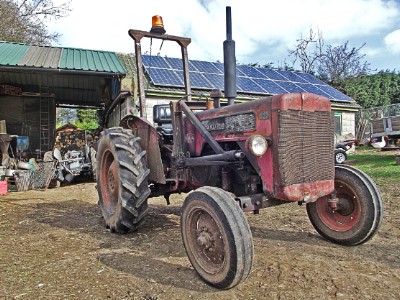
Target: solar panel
point(175, 63)
point(216, 79)
point(250, 71)
point(269, 86)
point(154, 61)
point(164, 77)
point(290, 87)
point(220, 67)
point(335, 94)
point(197, 80)
point(204, 66)
point(313, 89)
point(247, 85)
point(309, 78)
point(291, 76)
point(272, 74)
point(208, 75)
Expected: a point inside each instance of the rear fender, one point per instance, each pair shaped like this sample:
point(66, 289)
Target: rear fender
point(149, 141)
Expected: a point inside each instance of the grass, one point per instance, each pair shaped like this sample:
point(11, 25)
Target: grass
point(380, 165)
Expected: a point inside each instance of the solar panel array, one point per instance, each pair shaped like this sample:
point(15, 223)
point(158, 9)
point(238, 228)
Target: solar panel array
point(168, 72)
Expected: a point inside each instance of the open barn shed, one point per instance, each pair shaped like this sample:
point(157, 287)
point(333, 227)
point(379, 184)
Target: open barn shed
point(34, 80)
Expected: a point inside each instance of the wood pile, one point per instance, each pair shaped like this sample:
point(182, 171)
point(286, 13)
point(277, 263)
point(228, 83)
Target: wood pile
point(10, 90)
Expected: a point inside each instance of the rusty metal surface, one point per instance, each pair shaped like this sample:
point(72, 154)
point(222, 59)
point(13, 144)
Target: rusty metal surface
point(41, 177)
point(299, 161)
point(206, 239)
point(229, 125)
point(305, 146)
point(309, 191)
point(201, 128)
point(148, 141)
point(183, 42)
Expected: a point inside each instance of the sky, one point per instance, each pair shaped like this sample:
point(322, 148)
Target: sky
point(263, 31)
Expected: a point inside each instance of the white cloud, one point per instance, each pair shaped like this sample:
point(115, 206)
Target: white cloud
point(392, 41)
point(263, 30)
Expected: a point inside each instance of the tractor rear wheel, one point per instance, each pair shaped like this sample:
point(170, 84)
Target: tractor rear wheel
point(217, 237)
point(356, 216)
point(122, 180)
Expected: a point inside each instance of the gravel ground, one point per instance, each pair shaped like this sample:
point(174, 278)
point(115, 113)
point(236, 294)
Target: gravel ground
point(54, 245)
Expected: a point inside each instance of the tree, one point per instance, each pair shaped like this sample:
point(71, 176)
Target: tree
point(66, 115)
point(25, 20)
point(374, 90)
point(87, 119)
point(341, 62)
point(308, 58)
point(330, 63)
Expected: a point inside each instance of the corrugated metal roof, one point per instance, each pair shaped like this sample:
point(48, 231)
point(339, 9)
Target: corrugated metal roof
point(22, 55)
point(42, 57)
point(11, 53)
point(90, 60)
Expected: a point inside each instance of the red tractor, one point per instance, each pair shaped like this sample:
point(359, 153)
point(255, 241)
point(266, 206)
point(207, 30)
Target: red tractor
point(231, 159)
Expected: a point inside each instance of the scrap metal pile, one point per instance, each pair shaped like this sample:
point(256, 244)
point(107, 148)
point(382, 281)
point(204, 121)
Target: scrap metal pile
point(71, 156)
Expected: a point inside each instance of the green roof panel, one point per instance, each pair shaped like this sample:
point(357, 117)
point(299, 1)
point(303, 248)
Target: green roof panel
point(90, 60)
point(22, 55)
point(12, 53)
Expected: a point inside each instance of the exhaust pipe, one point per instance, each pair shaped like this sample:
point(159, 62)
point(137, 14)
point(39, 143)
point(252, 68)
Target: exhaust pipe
point(229, 61)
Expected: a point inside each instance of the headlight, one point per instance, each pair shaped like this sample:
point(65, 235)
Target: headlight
point(257, 145)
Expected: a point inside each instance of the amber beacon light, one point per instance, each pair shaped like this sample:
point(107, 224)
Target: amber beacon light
point(157, 25)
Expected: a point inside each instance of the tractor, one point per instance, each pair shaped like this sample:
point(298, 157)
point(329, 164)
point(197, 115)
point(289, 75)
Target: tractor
point(228, 158)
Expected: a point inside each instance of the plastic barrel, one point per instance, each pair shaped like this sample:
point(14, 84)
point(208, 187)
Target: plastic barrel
point(3, 188)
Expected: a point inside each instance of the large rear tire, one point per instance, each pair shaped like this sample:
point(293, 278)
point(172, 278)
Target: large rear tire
point(359, 211)
point(122, 180)
point(217, 237)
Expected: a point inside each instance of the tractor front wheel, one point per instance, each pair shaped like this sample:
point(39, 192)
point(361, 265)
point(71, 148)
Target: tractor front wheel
point(122, 180)
point(217, 237)
point(355, 215)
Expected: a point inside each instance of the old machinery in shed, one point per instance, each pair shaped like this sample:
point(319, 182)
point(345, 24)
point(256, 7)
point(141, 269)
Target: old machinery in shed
point(230, 159)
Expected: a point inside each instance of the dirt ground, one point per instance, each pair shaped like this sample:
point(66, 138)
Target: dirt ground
point(53, 245)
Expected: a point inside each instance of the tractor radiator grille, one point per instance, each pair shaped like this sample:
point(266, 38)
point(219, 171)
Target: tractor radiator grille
point(305, 146)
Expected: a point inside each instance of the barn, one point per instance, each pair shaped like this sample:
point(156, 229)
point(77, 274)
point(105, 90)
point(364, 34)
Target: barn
point(34, 80)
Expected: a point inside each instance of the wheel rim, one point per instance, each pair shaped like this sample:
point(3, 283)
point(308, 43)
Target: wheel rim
point(347, 213)
point(340, 158)
point(206, 241)
point(109, 182)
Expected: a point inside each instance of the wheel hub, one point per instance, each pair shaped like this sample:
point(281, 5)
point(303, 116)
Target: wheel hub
point(205, 240)
point(345, 206)
point(111, 180)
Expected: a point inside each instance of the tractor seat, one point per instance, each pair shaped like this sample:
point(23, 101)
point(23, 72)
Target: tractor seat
point(162, 117)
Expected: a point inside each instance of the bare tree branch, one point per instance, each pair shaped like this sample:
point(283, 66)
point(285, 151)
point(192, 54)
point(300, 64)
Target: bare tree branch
point(304, 55)
point(331, 64)
point(25, 20)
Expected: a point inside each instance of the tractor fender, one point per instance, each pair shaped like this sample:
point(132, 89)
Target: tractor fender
point(149, 141)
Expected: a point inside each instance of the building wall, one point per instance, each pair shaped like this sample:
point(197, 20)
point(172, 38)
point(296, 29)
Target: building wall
point(22, 116)
point(149, 107)
point(349, 123)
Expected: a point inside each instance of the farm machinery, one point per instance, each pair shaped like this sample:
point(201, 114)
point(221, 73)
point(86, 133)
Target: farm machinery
point(230, 159)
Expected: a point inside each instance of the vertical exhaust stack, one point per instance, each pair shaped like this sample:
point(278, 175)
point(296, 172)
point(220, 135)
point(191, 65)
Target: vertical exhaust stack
point(229, 61)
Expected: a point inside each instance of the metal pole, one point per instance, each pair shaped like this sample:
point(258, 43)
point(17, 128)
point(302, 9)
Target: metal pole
point(229, 61)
